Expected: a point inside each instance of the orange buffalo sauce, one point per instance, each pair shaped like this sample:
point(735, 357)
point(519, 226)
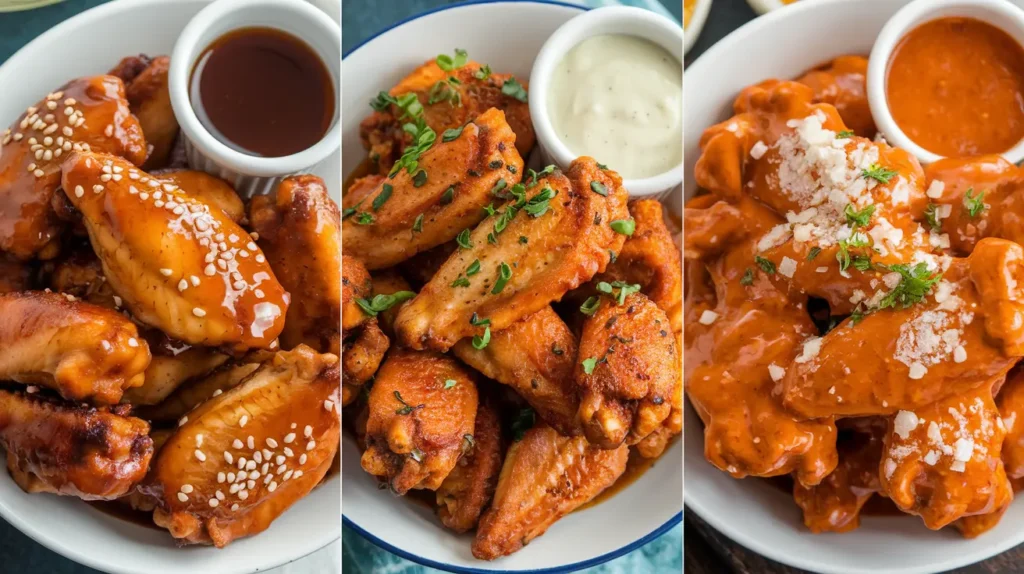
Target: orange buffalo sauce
point(955, 86)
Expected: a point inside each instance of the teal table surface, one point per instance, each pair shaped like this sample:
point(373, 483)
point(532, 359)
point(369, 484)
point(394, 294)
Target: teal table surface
point(361, 19)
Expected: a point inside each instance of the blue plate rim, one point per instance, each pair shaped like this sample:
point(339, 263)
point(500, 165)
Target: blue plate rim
point(677, 519)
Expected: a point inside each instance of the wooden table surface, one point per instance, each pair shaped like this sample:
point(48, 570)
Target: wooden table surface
point(707, 550)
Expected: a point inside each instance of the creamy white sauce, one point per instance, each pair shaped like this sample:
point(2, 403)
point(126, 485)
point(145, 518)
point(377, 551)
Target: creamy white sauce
point(619, 99)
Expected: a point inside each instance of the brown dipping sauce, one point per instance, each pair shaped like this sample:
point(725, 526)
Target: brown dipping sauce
point(955, 86)
point(263, 92)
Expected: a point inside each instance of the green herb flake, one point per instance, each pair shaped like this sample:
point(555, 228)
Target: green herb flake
point(483, 72)
point(915, 283)
point(448, 63)
point(514, 89)
point(476, 321)
point(765, 265)
point(589, 364)
point(419, 179)
point(844, 134)
point(504, 274)
point(479, 343)
point(473, 268)
point(538, 204)
point(451, 134)
point(449, 383)
point(365, 218)
point(417, 225)
point(598, 188)
point(859, 218)
point(748, 277)
point(974, 204)
point(383, 302)
point(460, 282)
point(814, 252)
point(448, 196)
point(406, 407)
point(623, 226)
point(931, 215)
point(463, 239)
point(523, 239)
point(382, 197)
point(878, 173)
point(590, 306)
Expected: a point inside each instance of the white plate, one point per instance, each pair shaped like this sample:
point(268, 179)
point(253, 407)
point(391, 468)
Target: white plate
point(784, 44)
point(91, 43)
point(507, 36)
point(696, 24)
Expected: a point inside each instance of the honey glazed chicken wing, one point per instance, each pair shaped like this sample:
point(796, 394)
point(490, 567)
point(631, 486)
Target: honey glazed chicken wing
point(150, 101)
point(168, 372)
point(962, 334)
point(740, 334)
point(61, 448)
point(627, 370)
point(942, 462)
point(557, 235)
point(300, 233)
point(84, 114)
point(545, 476)
point(195, 391)
point(82, 351)
point(536, 357)
point(14, 275)
point(80, 273)
point(178, 264)
point(835, 504)
point(842, 82)
point(468, 488)
point(422, 407)
point(211, 190)
point(446, 105)
point(243, 457)
point(411, 212)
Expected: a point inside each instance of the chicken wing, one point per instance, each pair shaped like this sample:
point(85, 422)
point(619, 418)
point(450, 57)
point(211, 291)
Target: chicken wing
point(94, 454)
point(355, 284)
point(361, 357)
point(412, 212)
point(150, 101)
point(82, 351)
point(211, 190)
point(300, 233)
point(545, 476)
point(469, 95)
point(962, 333)
point(942, 462)
point(168, 372)
point(14, 275)
point(627, 370)
point(80, 273)
point(842, 82)
point(389, 282)
point(420, 268)
point(218, 476)
point(523, 261)
point(84, 114)
point(535, 356)
point(195, 392)
point(468, 488)
point(422, 406)
point(179, 265)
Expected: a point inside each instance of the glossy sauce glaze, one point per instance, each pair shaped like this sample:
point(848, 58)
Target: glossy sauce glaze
point(955, 86)
point(618, 98)
point(263, 92)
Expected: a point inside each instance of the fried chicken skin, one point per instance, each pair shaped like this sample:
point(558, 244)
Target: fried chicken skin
point(355, 284)
point(80, 273)
point(361, 356)
point(82, 351)
point(382, 133)
point(627, 369)
point(842, 82)
point(560, 237)
point(545, 476)
point(244, 456)
point(211, 190)
point(422, 406)
point(62, 448)
point(150, 101)
point(963, 333)
point(535, 356)
point(300, 233)
point(834, 505)
point(943, 462)
point(468, 488)
point(166, 373)
point(14, 275)
point(446, 193)
point(198, 390)
point(178, 264)
point(84, 114)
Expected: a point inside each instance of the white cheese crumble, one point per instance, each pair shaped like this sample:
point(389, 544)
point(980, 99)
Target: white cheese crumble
point(904, 423)
point(776, 372)
point(812, 346)
point(787, 267)
point(708, 317)
point(759, 149)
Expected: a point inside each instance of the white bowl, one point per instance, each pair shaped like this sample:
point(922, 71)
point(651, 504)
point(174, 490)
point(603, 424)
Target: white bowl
point(69, 526)
point(610, 20)
point(697, 19)
point(507, 36)
point(249, 174)
point(784, 44)
point(998, 13)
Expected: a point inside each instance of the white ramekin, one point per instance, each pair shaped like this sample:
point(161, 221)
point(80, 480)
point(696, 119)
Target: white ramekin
point(610, 20)
point(251, 175)
point(999, 13)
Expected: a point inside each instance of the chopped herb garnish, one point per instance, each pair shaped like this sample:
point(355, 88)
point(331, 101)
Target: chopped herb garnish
point(417, 454)
point(476, 321)
point(599, 188)
point(364, 218)
point(489, 209)
point(382, 197)
point(449, 383)
point(463, 239)
point(448, 195)
point(915, 283)
point(492, 239)
point(844, 134)
point(861, 262)
point(382, 302)
point(473, 268)
point(514, 89)
point(624, 289)
point(448, 63)
point(451, 134)
point(479, 343)
point(504, 274)
point(533, 176)
point(523, 422)
point(383, 102)
point(601, 166)
point(417, 225)
point(859, 218)
point(612, 256)
point(814, 252)
point(590, 306)
point(350, 211)
point(406, 407)
point(589, 364)
point(497, 189)
point(444, 91)
point(523, 239)
point(624, 226)
point(419, 179)
point(748, 277)
point(460, 282)
point(538, 204)
point(857, 316)
point(974, 204)
point(878, 173)
point(765, 265)
point(483, 72)
point(931, 215)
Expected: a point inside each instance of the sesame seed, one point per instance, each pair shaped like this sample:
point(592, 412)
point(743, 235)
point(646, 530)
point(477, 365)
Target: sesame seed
point(329, 405)
point(51, 105)
point(228, 458)
point(182, 285)
point(166, 272)
point(133, 342)
point(265, 467)
point(216, 393)
point(214, 502)
point(182, 497)
point(260, 258)
point(117, 301)
point(199, 312)
point(272, 487)
point(280, 459)
point(194, 280)
point(290, 437)
point(287, 475)
point(153, 183)
point(17, 137)
point(219, 495)
point(243, 421)
point(243, 253)
point(302, 459)
point(210, 270)
point(105, 177)
point(79, 191)
point(308, 431)
point(38, 173)
point(241, 463)
point(234, 507)
point(237, 444)
point(231, 477)
point(298, 474)
point(250, 465)
point(238, 285)
point(234, 488)
point(311, 445)
point(109, 130)
point(116, 177)
point(250, 442)
point(288, 452)
point(51, 129)
point(258, 457)
point(183, 421)
point(47, 155)
point(143, 196)
point(199, 440)
point(133, 176)
point(250, 484)
point(242, 475)
point(39, 154)
point(200, 455)
point(268, 478)
point(220, 478)
point(222, 264)
point(187, 488)
point(242, 495)
point(97, 188)
point(281, 469)
point(68, 131)
point(179, 210)
point(255, 236)
point(271, 442)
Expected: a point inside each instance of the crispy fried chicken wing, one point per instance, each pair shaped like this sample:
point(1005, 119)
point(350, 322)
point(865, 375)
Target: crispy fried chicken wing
point(422, 407)
point(568, 239)
point(61, 448)
point(389, 282)
point(382, 132)
point(82, 351)
point(178, 264)
point(627, 369)
point(360, 359)
point(355, 284)
point(150, 101)
point(468, 488)
point(300, 233)
point(87, 113)
point(405, 214)
point(535, 356)
point(246, 455)
point(545, 476)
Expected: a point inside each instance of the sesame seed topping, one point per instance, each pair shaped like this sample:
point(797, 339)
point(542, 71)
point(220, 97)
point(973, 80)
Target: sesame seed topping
point(194, 280)
point(199, 312)
point(298, 473)
point(199, 440)
point(234, 506)
point(280, 459)
point(187, 488)
point(250, 484)
point(311, 445)
point(97, 188)
point(308, 431)
point(214, 502)
point(182, 285)
point(289, 438)
point(210, 270)
point(272, 487)
point(221, 478)
point(271, 442)
point(287, 475)
point(243, 421)
point(182, 497)
point(216, 393)
point(242, 495)
point(288, 452)
point(133, 342)
point(228, 458)
point(260, 258)
point(257, 456)
point(219, 495)
point(109, 130)
point(281, 469)
point(79, 191)
point(250, 442)
point(183, 420)
point(241, 463)
point(303, 458)
point(234, 488)
point(250, 465)
point(328, 405)
point(38, 173)
point(237, 444)
point(200, 455)
point(166, 272)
